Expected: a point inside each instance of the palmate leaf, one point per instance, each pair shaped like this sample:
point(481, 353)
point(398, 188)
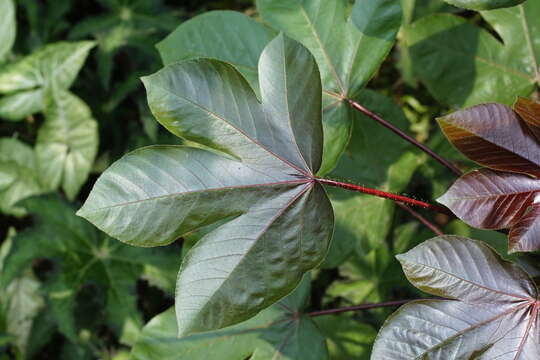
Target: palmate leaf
point(324, 27)
point(255, 167)
point(25, 82)
point(495, 136)
point(83, 255)
point(493, 313)
point(484, 4)
point(347, 56)
point(464, 65)
point(279, 332)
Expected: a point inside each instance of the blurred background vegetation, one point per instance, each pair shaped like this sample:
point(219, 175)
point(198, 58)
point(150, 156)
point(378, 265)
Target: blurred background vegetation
point(64, 301)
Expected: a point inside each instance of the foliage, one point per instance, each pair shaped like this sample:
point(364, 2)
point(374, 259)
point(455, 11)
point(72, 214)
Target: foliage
point(260, 106)
point(498, 199)
point(492, 312)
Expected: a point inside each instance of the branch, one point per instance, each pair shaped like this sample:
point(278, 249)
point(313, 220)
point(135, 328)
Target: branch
point(386, 195)
point(420, 218)
point(403, 135)
point(361, 307)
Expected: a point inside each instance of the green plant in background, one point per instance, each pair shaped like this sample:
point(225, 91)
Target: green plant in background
point(278, 111)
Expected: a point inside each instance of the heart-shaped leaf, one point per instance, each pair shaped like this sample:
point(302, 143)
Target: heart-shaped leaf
point(484, 4)
point(464, 65)
point(8, 27)
point(495, 136)
point(24, 82)
point(18, 175)
point(66, 142)
point(493, 314)
point(279, 332)
point(254, 171)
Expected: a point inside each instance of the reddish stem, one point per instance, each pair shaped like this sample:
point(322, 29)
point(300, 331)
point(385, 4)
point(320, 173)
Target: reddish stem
point(403, 135)
point(360, 307)
point(420, 218)
point(384, 194)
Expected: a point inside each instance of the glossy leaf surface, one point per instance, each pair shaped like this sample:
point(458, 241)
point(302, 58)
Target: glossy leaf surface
point(493, 314)
point(258, 175)
point(497, 137)
point(66, 142)
point(279, 332)
point(484, 4)
point(83, 256)
point(8, 26)
point(464, 65)
point(24, 82)
point(346, 57)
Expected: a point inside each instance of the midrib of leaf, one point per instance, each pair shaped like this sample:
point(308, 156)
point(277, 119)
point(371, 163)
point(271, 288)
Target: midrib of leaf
point(216, 116)
point(532, 320)
point(180, 194)
point(527, 32)
point(323, 50)
point(286, 339)
point(481, 59)
point(475, 284)
point(473, 327)
point(262, 232)
point(289, 123)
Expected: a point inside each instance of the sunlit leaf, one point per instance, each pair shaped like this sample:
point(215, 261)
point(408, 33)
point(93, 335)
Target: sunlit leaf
point(23, 82)
point(259, 175)
point(18, 175)
point(66, 142)
point(493, 314)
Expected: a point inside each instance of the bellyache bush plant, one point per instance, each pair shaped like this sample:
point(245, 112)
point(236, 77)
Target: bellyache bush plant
point(256, 125)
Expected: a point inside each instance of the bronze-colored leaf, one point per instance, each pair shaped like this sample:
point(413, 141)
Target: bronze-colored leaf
point(494, 136)
point(525, 235)
point(529, 110)
point(490, 199)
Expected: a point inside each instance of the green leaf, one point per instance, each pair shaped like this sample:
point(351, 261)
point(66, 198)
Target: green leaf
point(464, 65)
point(8, 27)
point(280, 331)
point(258, 175)
point(346, 338)
point(18, 175)
point(20, 302)
point(346, 57)
point(484, 4)
point(24, 81)
point(228, 36)
point(66, 143)
point(493, 315)
point(83, 256)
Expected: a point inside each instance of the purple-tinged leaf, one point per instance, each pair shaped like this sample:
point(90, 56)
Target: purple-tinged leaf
point(529, 110)
point(490, 199)
point(494, 136)
point(525, 235)
point(494, 314)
